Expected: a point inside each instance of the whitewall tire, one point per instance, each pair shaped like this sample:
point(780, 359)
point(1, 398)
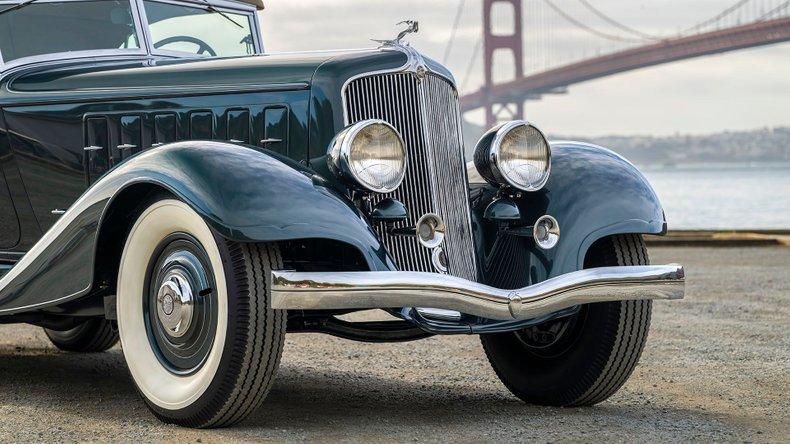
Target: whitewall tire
point(199, 338)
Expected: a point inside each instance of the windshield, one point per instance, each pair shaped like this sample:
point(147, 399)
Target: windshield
point(198, 30)
point(54, 27)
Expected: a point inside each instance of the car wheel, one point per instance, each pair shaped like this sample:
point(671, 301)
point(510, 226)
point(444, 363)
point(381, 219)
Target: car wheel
point(194, 315)
point(582, 359)
point(92, 336)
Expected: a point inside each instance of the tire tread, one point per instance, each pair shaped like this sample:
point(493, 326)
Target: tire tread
point(630, 334)
point(261, 350)
point(625, 329)
point(94, 336)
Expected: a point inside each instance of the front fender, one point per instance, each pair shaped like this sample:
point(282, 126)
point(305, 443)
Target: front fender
point(593, 193)
point(246, 195)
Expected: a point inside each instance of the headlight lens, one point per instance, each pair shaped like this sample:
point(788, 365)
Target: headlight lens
point(515, 154)
point(370, 153)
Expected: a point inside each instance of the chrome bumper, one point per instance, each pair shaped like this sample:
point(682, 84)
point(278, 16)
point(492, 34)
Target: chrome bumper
point(394, 289)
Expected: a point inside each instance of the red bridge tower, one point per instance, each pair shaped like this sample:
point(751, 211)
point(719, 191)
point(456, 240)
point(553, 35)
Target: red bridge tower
point(513, 107)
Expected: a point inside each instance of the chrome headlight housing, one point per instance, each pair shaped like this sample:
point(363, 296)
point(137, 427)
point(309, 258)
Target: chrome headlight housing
point(515, 154)
point(369, 154)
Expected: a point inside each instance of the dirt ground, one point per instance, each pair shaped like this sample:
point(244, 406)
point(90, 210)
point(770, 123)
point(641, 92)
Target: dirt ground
point(716, 367)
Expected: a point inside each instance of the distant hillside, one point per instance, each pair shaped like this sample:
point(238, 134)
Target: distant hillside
point(761, 145)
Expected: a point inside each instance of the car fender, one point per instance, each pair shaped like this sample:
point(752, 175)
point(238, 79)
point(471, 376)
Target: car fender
point(593, 193)
point(246, 195)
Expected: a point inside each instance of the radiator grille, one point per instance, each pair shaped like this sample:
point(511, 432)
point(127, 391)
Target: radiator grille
point(426, 113)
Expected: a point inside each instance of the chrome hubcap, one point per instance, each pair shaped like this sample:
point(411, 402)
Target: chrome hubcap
point(174, 304)
point(180, 307)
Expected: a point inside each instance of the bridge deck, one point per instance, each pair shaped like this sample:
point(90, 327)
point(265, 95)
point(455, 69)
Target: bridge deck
point(666, 51)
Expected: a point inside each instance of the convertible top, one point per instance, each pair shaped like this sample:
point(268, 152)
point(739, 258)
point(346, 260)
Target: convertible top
point(257, 3)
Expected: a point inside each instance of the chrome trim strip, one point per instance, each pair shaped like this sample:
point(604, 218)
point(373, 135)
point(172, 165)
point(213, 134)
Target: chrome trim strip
point(131, 93)
point(392, 289)
point(338, 51)
point(167, 89)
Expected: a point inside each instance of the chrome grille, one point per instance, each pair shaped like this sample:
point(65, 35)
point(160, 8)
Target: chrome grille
point(426, 113)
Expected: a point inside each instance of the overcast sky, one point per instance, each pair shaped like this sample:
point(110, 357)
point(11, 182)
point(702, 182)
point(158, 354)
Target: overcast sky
point(739, 90)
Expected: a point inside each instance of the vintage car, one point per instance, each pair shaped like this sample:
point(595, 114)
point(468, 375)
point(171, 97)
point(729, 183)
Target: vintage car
point(168, 183)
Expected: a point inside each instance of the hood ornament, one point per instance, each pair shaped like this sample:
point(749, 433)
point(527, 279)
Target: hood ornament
point(415, 63)
point(412, 27)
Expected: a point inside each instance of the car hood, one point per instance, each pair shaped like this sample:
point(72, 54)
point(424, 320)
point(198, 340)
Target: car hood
point(276, 68)
point(79, 80)
point(86, 80)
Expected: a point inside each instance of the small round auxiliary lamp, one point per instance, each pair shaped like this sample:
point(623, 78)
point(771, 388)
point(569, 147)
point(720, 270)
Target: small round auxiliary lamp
point(430, 230)
point(546, 232)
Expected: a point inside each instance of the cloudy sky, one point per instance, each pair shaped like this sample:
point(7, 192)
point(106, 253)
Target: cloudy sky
point(734, 91)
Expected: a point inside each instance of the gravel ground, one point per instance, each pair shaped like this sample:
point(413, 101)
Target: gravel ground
point(715, 368)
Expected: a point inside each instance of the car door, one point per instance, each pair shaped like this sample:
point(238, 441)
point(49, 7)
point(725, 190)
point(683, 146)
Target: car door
point(9, 223)
point(48, 149)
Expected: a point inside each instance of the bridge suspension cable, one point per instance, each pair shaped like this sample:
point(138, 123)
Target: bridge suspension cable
point(617, 24)
point(770, 13)
point(472, 61)
point(738, 5)
point(726, 12)
point(456, 22)
point(581, 25)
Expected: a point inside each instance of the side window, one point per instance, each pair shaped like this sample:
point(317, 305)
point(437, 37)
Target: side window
point(66, 26)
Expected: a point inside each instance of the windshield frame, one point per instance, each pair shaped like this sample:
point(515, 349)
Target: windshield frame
point(198, 4)
point(146, 49)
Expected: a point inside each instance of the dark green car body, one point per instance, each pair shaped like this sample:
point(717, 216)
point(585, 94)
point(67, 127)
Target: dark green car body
point(243, 140)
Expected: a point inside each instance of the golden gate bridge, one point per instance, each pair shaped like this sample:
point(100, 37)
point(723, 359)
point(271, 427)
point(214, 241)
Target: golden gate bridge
point(741, 24)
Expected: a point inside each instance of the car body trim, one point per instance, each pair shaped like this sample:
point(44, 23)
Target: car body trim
point(133, 93)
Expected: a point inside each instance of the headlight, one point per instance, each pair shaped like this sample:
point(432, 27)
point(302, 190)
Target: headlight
point(515, 154)
point(370, 154)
